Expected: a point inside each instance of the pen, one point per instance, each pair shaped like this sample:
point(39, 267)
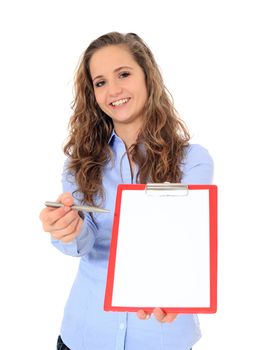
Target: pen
point(77, 207)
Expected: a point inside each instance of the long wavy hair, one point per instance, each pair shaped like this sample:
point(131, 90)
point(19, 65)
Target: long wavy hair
point(160, 146)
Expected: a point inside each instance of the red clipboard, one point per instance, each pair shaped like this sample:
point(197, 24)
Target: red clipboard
point(163, 249)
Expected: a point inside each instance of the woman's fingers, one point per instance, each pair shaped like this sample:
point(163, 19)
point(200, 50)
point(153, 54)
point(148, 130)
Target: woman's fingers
point(62, 223)
point(143, 315)
point(67, 227)
point(70, 237)
point(66, 199)
point(49, 216)
point(169, 318)
point(159, 314)
point(162, 316)
point(66, 221)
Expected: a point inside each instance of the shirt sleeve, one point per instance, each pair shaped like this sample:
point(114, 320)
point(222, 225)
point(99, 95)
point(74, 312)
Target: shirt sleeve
point(86, 239)
point(198, 166)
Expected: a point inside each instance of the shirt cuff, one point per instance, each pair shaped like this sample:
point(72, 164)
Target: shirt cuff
point(80, 245)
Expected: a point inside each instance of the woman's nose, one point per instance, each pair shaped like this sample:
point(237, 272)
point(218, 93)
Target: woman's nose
point(114, 88)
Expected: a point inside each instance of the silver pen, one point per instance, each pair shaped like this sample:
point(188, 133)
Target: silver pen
point(77, 207)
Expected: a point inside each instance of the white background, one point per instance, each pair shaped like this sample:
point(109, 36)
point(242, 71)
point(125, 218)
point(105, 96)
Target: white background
point(208, 52)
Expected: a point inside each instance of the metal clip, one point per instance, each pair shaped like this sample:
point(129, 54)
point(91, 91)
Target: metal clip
point(167, 189)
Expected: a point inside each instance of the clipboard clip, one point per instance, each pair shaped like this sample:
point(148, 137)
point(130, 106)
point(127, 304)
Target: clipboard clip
point(166, 189)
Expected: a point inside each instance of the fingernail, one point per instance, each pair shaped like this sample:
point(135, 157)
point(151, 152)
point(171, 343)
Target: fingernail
point(147, 317)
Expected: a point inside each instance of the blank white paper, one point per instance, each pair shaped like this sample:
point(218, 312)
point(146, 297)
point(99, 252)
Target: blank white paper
point(163, 256)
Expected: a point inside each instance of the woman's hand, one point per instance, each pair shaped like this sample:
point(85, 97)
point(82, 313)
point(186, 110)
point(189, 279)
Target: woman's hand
point(159, 314)
point(62, 223)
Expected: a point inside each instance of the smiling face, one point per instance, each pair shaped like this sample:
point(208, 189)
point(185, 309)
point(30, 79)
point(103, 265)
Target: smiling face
point(119, 85)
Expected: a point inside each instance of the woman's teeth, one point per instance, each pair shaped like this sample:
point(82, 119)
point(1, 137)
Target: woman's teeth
point(120, 102)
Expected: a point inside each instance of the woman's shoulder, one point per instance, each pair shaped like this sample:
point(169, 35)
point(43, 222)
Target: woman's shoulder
point(197, 153)
point(197, 165)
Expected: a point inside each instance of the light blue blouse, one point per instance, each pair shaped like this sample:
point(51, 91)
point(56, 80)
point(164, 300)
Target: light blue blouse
point(86, 326)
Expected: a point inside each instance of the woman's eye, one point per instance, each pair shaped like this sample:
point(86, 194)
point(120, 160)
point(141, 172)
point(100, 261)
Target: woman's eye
point(99, 83)
point(124, 74)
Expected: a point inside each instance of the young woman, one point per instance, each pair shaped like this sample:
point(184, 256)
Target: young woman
point(124, 129)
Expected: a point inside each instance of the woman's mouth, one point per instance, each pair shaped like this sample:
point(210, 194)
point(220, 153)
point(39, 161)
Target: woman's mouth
point(119, 103)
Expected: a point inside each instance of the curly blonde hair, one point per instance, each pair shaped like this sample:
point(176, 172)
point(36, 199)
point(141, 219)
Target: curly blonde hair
point(162, 137)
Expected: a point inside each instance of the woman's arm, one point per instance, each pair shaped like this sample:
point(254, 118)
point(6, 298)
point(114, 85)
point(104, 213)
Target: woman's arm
point(71, 233)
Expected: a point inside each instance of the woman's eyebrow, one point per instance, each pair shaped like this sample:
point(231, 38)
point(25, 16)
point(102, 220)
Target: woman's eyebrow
point(115, 71)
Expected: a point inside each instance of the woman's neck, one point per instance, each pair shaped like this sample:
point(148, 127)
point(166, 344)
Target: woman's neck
point(128, 133)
